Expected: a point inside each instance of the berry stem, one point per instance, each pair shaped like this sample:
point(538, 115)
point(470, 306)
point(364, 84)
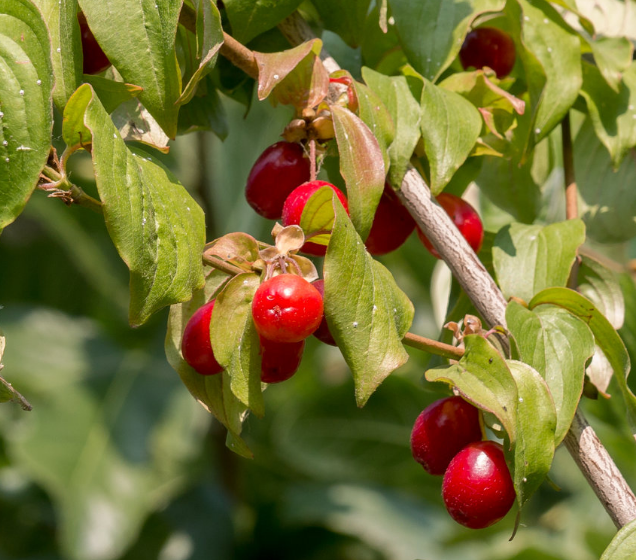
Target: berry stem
point(223, 266)
point(433, 346)
point(58, 186)
point(312, 159)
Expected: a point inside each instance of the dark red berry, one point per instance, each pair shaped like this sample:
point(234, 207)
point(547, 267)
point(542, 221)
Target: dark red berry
point(195, 344)
point(391, 226)
point(487, 46)
point(466, 219)
point(95, 60)
point(322, 333)
point(295, 204)
point(477, 488)
point(280, 360)
point(276, 173)
point(442, 430)
point(286, 308)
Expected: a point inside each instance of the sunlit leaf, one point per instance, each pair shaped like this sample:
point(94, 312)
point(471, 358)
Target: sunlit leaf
point(623, 544)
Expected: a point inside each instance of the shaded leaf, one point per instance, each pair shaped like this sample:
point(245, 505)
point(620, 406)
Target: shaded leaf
point(250, 18)
point(528, 259)
point(361, 166)
point(111, 93)
point(204, 112)
point(623, 544)
point(237, 248)
point(613, 55)
point(368, 315)
point(26, 80)
point(601, 286)
point(135, 123)
point(605, 335)
point(557, 345)
point(344, 18)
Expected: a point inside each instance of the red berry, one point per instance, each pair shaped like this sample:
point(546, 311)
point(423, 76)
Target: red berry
point(487, 46)
point(95, 60)
point(322, 333)
point(293, 210)
point(276, 173)
point(442, 430)
point(286, 308)
point(195, 343)
point(391, 226)
point(477, 488)
point(465, 218)
point(280, 360)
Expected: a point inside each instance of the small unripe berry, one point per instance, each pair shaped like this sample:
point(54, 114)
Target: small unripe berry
point(477, 489)
point(443, 429)
point(195, 343)
point(322, 333)
point(286, 308)
point(276, 173)
point(391, 226)
point(488, 46)
point(280, 360)
point(295, 204)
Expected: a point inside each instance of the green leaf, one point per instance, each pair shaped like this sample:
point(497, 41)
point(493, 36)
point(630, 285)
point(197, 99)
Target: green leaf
point(528, 259)
point(157, 227)
point(235, 340)
point(556, 344)
point(623, 544)
point(607, 207)
point(510, 187)
point(318, 216)
point(605, 335)
point(613, 113)
point(405, 112)
point(66, 54)
point(139, 39)
point(450, 126)
point(374, 114)
point(483, 378)
point(209, 38)
point(602, 287)
point(136, 124)
point(204, 112)
point(551, 55)
point(111, 93)
point(613, 55)
point(26, 116)
point(361, 166)
point(344, 18)
point(536, 423)
point(432, 31)
point(250, 18)
point(237, 248)
point(368, 315)
point(213, 392)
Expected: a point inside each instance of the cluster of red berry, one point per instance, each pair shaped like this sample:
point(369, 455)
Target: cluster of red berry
point(447, 440)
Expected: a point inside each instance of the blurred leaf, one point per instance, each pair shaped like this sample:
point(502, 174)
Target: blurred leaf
point(213, 392)
point(405, 112)
point(482, 377)
point(112, 437)
point(344, 18)
point(111, 93)
point(157, 227)
point(607, 208)
point(432, 31)
point(66, 57)
point(377, 44)
point(250, 18)
point(623, 544)
point(528, 259)
point(368, 315)
point(605, 335)
point(613, 113)
point(361, 166)
point(142, 58)
point(7, 392)
point(557, 345)
point(235, 340)
point(613, 55)
point(26, 117)
point(536, 424)
point(450, 126)
point(204, 112)
point(601, 286)
point(209, 36)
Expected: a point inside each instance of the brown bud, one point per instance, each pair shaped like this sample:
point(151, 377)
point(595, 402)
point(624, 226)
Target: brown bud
point(295, 131)
point(323, 128)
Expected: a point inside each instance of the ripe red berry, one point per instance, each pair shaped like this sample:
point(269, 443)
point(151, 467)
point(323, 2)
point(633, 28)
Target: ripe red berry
point(276, 173)
point(477, 488)
point(443, 429)
point(95, 60)
point(322, 333)
point(195, 343)
point(391, 226)
point(487, 46)
point(286, 308)
point(280, 360)
point(465, 218)
point(293, 210)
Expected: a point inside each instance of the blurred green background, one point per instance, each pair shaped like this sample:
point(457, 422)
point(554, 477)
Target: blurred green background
point(117, 461)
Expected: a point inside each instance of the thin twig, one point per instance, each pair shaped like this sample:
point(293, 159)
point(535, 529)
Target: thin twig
point(219, 264)
point(433, 346)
